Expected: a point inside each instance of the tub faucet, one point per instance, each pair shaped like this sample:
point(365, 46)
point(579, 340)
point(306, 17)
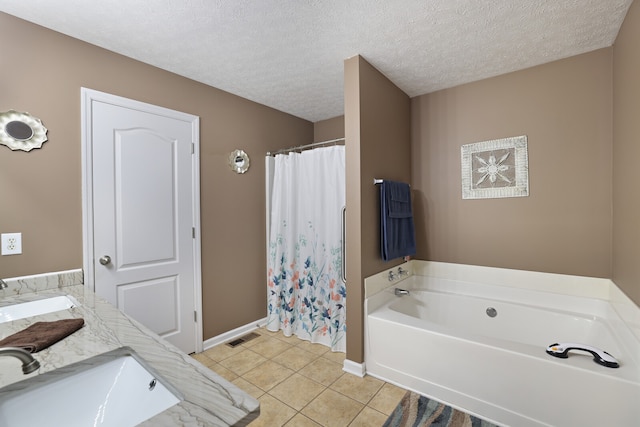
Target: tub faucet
point(399, 292)
point(29, 364)
point(3, 284)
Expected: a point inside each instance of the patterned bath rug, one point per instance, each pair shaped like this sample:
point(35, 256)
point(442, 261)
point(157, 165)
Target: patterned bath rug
point(419, 411)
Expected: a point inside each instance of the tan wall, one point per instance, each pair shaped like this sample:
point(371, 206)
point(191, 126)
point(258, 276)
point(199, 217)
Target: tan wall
point(42, 72)
point(564, 226)
point(378, 145)
point(626, 152)
point(329, 129)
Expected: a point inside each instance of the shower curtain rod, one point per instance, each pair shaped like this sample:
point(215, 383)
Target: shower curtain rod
point(302, 147)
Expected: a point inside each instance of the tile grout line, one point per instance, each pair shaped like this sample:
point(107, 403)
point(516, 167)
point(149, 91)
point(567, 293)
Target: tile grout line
point(271, 337)
point(325, 388)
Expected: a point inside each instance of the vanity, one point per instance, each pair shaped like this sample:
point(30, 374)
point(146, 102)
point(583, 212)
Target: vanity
point(203, 397)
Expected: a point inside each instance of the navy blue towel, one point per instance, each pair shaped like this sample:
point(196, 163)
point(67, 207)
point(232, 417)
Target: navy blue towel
point(397, 234)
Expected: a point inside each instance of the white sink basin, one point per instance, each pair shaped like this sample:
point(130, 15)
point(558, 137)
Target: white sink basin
point(113, 389)
point(34, 308)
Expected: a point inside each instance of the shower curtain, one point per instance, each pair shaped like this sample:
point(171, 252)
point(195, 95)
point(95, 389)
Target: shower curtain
point(305, 293)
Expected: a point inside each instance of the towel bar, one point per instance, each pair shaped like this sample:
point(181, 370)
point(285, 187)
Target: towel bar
point(377, 181)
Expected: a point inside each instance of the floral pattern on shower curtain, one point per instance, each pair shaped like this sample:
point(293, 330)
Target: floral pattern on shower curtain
point(305, 293)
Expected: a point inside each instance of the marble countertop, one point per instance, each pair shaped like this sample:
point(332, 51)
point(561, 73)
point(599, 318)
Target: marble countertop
point(209, 400)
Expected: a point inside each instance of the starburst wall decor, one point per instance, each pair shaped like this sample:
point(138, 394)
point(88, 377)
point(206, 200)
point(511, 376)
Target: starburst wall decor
point(495, 169)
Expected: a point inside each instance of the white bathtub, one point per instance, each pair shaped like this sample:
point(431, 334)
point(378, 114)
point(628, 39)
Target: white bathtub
point(440, 342)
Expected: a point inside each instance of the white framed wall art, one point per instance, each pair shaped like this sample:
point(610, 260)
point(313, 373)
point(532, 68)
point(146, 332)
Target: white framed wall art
point(495, 169)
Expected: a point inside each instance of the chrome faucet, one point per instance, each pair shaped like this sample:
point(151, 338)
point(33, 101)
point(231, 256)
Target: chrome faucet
point(399, 292)
point(29, 364)
point(3, 284)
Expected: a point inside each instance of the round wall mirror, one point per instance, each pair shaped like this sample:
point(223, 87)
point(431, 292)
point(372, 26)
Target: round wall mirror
point(239, 161)
point(21, 131)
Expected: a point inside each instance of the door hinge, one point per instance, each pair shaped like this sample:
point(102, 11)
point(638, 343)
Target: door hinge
point(195, 316)
point(193, 232)
point(193, 148)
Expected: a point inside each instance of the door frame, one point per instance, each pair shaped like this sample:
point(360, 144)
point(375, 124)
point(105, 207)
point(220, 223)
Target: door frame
point(88, 96)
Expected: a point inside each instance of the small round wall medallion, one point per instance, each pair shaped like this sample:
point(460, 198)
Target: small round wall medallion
point(239, 161)
point(21, 131)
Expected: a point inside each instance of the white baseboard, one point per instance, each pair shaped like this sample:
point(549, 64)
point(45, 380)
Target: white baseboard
point(354, 368)
point(234, 333)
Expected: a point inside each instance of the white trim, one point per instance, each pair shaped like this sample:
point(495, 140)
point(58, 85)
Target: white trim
point(88, 96)
point(197, 251)
point(354, 368)
point(86, 114)
point(234, 333)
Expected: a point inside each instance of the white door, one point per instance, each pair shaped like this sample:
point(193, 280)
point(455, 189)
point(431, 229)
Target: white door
point(145, 254)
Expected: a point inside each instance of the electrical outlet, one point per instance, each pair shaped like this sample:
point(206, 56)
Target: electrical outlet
point(11, 243)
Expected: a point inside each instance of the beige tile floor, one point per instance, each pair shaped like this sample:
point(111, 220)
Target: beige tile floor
point(301, 384)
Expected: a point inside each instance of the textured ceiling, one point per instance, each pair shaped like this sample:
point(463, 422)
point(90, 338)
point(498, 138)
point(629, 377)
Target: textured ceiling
point(289, 54)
